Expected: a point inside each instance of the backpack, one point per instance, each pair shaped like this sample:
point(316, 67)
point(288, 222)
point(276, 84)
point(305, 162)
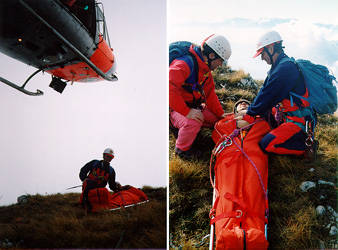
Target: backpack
point(319, 82)
point(178, 49)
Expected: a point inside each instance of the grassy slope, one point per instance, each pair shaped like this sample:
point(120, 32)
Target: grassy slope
point(293, 222)
point(57, 221)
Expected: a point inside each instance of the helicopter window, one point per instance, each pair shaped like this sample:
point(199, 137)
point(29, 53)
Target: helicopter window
point(101, 23)
point(84, 10)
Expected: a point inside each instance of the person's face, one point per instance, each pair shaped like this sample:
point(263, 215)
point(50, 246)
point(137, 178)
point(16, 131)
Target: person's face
point(216, 63)
point(265, 57)
point(242, 106)
point(107, 158)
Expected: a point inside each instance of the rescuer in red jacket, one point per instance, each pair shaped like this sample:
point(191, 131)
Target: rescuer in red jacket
point(193, 102)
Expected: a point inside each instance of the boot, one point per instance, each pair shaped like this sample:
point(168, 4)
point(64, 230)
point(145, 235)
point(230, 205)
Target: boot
point(191, 154)
point(311, 152)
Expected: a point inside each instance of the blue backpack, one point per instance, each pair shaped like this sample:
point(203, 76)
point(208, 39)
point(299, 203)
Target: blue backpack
point(178, 49)
point(322, 92)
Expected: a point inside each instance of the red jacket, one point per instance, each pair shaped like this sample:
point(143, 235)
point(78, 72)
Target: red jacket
point(179, 72)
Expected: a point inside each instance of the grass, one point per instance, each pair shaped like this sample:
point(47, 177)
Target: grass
point(294, 222)
point(58, 221)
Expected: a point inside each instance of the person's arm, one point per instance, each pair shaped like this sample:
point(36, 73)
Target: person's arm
point(112, 183)
point(85, 170)
point(212, 101)
point(179, 71)
point(276, 88)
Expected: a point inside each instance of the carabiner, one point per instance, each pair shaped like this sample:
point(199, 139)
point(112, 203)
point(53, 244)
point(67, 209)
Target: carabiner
point(226, 143)
point(240, 213)
point(309, 141)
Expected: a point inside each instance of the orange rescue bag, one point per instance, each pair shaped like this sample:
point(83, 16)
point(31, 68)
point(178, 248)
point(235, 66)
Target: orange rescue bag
point(127, 197)
point(100, 198)
point(240, 209)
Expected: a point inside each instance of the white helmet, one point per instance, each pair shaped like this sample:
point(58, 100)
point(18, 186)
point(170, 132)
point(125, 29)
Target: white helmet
point(270, 37)
point(220, 45)
point(109, 152)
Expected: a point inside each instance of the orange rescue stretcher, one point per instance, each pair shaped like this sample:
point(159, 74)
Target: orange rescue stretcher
point(240, 209)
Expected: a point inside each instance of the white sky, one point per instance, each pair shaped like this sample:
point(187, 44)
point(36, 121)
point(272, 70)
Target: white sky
point(44, 141)
point(194, 20)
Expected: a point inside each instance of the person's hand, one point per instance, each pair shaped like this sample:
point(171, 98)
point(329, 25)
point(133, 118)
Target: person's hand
point(242, 123)
point(126, 187)
point(118, 186)
point(226, 114)
point(196, 114)
point(241, 113)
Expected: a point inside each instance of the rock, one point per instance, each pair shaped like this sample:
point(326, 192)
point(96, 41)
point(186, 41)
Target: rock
point(320, 182)
point(333, 231)
point(307, 185)
point(23, 199)
point(333, 212)
point(322, 197)
point(320, 210)
point(6, 244)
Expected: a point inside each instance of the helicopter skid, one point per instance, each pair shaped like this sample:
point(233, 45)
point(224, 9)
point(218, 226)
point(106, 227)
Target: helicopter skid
point(22, 88)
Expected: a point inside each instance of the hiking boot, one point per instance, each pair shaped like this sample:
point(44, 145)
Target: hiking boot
point(311, 152)
point(191, 154)
point(174, 131)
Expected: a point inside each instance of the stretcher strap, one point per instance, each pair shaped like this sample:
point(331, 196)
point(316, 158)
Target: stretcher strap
point(236, 200)
point(239, 215)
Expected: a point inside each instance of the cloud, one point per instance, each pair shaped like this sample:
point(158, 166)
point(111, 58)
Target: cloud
point(312, 41)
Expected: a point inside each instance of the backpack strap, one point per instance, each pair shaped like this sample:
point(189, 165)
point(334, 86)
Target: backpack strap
point(301, 112)
point(196, 86)
point(301, 77)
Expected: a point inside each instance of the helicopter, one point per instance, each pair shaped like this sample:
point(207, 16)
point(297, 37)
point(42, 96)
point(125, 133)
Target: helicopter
point(65, 38)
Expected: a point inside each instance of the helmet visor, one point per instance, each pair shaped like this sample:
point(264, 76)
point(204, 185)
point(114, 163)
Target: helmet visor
point(110, 155)
point(258, 52)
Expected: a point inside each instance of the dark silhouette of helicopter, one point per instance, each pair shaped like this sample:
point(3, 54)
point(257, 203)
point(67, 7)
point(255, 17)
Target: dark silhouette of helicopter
point(65, 38)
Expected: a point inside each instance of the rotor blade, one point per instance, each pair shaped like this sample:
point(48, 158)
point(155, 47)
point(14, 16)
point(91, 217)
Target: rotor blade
point(74, 187)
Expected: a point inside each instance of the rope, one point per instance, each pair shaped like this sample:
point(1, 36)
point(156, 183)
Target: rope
point(202, 242)
point(253, 164)
point(180, 247)
point(222, 144)
point(172, 245)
